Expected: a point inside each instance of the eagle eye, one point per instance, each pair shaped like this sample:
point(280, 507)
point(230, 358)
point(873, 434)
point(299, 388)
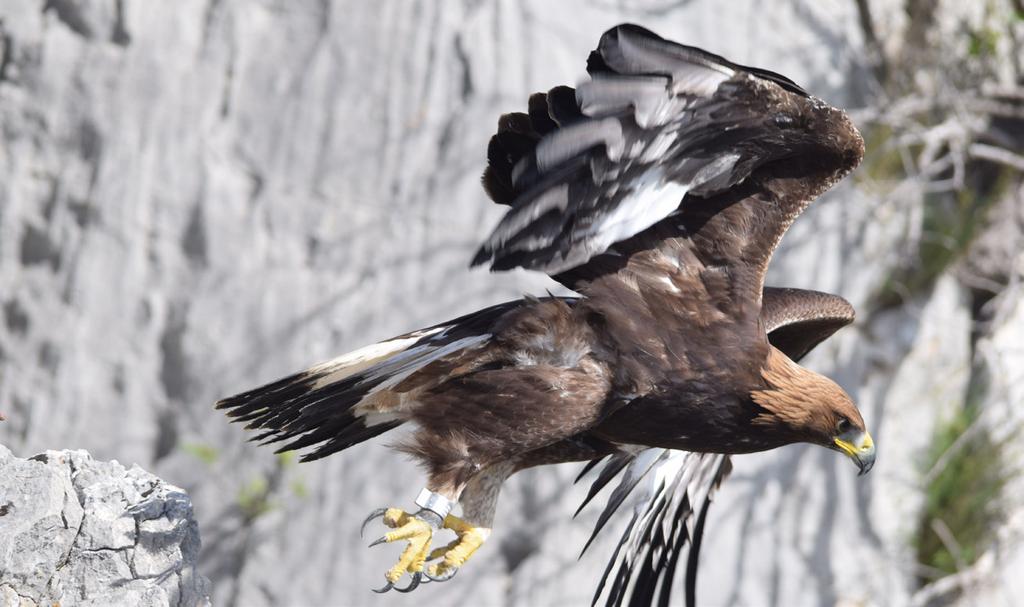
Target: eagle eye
point(843, 425)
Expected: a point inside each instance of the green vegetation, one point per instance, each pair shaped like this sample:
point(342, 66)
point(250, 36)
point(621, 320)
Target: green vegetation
point(286, 459)
point(882, 160)
point(202, 452)
point(253, 498)
point(982, 42)
point(967, 474)
point(949, 223)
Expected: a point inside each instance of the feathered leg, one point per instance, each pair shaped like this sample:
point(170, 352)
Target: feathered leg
point(479, 500)
point(470, 436)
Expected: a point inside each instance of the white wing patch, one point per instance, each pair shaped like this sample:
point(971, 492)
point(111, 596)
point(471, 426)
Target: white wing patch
point(654, 151)
point(652, 199)
point(380, 405)
point(359, 360)
point(701, 82)
point(571, 141)
point(395, 360)
point(400, 367)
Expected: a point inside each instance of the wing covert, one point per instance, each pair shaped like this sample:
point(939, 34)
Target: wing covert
point(797, 320)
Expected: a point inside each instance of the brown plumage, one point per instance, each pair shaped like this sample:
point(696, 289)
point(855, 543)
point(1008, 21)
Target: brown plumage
point(658, 192)
point(805, 404)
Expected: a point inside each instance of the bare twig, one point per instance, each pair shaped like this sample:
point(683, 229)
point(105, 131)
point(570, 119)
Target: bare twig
point(945, 589)
point(995, 107)
point(948, 540)
point(961, 441)
point(996, 154)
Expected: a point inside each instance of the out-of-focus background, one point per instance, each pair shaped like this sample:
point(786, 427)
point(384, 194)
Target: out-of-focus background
point(203, 195)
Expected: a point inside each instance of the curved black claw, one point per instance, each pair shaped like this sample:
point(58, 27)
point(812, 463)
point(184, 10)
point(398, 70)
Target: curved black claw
point(413, 583)
point(444, 577)
point(378, 541)
point(378, 513)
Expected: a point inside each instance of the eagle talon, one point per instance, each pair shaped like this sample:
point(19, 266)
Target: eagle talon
point(454, 555)
point(378, 513)
point(413, 583)
point(417, 530)
point(443, 577)
point(416, 580)
point(383, 589)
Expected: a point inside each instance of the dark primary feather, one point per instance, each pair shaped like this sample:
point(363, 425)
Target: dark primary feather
point(583, 472)
point(647, 152)
point(647, 556)
point(657, 121)
point(613, 465)
point(662, 522)
point(722, 471)
point(637, 468)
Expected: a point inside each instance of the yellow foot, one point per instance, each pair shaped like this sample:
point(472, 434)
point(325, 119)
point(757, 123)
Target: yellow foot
point(455, 554)
point(418, 532)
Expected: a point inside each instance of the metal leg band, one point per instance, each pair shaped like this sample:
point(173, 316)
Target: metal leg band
point(434, 502)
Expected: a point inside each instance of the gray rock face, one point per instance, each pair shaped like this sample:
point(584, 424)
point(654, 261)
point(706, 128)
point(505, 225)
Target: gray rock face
point(76, 531)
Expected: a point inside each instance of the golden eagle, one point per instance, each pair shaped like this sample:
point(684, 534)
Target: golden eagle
point(657, 190)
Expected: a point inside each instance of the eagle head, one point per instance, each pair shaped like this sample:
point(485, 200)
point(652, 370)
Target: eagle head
point(821, 135)
point(805, 406)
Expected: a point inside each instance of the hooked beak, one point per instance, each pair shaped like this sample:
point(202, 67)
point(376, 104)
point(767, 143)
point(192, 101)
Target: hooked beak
point(859, 447)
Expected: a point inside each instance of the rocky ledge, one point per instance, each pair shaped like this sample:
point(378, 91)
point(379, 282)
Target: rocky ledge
point(76, 531)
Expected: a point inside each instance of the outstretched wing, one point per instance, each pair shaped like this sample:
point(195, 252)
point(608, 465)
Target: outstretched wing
point(672, 490)
point(668, 488)
point(797, 320)
point(659, 130)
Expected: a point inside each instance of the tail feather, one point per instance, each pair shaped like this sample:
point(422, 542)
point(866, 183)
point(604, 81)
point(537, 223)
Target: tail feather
point(352, 435)
point(318, 405)
point(356, 397)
